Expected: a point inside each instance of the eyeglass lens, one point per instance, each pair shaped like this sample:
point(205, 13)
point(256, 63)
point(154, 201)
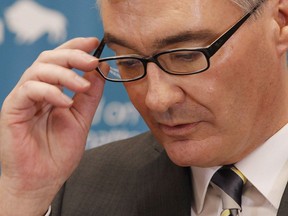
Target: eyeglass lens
point(181, 61)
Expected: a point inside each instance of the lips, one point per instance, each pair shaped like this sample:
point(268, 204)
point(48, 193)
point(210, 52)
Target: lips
point(179, 130)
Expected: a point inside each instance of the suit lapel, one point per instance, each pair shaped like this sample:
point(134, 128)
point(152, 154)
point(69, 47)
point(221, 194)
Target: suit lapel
point(164, 189)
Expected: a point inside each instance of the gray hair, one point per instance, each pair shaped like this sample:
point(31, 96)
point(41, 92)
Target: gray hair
point(246, 5)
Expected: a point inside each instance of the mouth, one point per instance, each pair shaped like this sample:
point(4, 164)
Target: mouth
point(179, 130)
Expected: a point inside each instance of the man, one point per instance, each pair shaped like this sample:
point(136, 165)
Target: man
point(210, 99)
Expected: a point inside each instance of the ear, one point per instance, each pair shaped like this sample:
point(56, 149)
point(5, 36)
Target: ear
point(281, 18)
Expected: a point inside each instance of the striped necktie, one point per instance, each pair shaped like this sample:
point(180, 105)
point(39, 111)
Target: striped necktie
point(230, 182)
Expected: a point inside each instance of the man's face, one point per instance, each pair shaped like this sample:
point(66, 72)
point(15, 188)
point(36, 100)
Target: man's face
point(215, 117)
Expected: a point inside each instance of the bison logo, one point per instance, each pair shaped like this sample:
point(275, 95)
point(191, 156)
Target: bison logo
point(29, 21)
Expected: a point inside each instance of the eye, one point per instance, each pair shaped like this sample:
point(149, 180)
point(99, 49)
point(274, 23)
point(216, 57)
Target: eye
point(128, 63)
point(186, 56)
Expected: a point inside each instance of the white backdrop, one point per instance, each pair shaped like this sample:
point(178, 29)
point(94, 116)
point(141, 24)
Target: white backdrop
point(27, 27)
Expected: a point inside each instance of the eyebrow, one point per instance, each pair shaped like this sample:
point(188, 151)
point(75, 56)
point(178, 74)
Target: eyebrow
point(185, 36)
point(111, 39)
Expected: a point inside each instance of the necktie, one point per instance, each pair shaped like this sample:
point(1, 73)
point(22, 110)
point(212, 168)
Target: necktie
point(230, 182)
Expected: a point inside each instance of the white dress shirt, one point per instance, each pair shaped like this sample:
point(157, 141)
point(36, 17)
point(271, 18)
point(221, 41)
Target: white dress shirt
point(48, 212)
point(266, 169)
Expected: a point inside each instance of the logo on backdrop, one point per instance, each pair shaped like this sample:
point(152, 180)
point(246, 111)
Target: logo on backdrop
point(118, 116)
point(29, 21)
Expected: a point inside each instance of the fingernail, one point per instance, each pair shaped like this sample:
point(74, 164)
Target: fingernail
point(67, 99)
point(89, 58)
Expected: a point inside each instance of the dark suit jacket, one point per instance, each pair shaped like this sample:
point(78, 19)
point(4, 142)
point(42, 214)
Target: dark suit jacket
point(133, 177)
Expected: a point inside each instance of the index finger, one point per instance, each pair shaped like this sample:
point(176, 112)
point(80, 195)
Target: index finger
point(84, 44)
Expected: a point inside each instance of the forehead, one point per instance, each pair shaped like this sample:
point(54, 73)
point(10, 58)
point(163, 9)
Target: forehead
point(158, 8)
point(148, 20)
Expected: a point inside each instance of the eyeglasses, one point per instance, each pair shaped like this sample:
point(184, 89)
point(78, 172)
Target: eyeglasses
point(181, 61)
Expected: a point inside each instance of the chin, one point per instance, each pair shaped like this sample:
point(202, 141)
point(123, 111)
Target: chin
point(181, 154)
point(187, 153)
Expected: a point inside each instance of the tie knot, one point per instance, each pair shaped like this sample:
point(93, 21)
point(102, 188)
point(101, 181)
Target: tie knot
point(230, 182)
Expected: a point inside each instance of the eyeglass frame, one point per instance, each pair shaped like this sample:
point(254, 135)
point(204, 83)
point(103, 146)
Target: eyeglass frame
point(208, 51)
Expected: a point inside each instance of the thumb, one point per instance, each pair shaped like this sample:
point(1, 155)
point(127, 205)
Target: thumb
point(86, 103)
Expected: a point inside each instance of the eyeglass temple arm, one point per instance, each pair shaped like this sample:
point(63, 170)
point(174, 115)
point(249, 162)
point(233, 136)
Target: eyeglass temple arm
point(220, 42)
point(99, 49)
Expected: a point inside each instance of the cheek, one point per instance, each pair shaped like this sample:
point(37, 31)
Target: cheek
point(137, 92)
point(241, 86)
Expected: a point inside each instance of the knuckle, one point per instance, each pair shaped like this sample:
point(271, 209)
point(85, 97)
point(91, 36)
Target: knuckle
point(44, 54)
point(33, 70)
point(35, 67)
point(26, 85)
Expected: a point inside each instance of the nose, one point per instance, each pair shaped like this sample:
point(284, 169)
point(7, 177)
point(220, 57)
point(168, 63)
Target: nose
point(163, 90)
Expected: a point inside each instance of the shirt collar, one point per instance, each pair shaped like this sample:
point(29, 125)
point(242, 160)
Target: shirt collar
point(200, 180)
point(266, 168)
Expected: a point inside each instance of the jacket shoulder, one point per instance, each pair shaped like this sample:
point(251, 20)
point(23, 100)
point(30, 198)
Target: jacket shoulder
point(129, 152)
point(128, 177)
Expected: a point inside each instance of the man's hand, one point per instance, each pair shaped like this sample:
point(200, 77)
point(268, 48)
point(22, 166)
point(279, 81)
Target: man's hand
point(42, 131)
